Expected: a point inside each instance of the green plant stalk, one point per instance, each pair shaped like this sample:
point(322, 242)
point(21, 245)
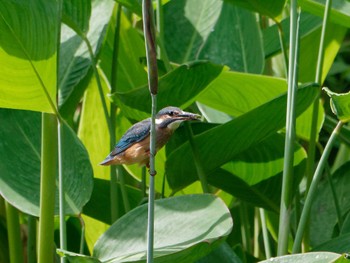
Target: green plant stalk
point(14, 234)
point(151, 55)
point(47, 188)
point(82, 237)
point(160, 36)
point(286, 196)
point(200, 171)
point(283, 47)
point(310, 164)
point(313, 188)
point(265, 233)
point(112, 119)
point(245, 227)
point(61, 194)
point(121, 178)
point(31, 245)
point(256, 233)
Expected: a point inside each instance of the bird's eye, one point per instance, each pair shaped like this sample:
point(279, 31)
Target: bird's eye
point(171, 113)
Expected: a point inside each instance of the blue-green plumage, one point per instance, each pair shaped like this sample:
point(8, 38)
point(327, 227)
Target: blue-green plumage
point(133, 146)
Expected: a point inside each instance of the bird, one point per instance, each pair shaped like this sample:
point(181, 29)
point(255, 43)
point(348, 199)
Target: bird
point(134, 145)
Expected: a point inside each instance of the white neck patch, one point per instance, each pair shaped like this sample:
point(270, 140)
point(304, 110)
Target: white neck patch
point(174, 125)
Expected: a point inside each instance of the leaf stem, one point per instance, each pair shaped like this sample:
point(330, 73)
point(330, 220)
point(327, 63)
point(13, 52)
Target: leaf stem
point(310, 164)
point(313, 188)
point(160, 36)
point(47, 187)
point(265, 233)
point(14, 234)
point(61, 193)
point(287, 184)
point(31, 245)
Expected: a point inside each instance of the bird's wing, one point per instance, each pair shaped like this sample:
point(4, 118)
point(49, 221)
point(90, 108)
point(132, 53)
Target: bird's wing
point(134, 134)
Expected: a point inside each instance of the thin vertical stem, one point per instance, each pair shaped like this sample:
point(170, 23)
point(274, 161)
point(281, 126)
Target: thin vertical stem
point(256, 233)
point(313, 188)
point(265, 233)
point(310, 165)
point(14, 234)
point(61, 193)
point(31, 245)
point(284, 222)
point(47, 187)
point(112, 118)
point(151, 55)
point(121, 178)
point(82, 237)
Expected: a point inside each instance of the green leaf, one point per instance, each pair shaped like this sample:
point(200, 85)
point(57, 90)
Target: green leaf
point(222, 254)
point(340, 244)
point(177, 88)
point(270, 8)
point(232, 138)
point(134, 6)
point(76, 14)
point(312, 257)
point(240, 46)
point(322, 226)
point(308, 24)
point(186, 227)
point(236, 93)
point(340, 104)
point(28, 54)
point(215, 31)
point(340, 12)
point(20, 164)
point(76, 258)
point(75, 60)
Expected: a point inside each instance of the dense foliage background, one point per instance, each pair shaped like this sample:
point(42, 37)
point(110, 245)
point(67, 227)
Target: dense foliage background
point(82, 64)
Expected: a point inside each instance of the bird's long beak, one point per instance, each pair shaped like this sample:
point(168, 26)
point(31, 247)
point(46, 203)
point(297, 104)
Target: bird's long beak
point(189, 116)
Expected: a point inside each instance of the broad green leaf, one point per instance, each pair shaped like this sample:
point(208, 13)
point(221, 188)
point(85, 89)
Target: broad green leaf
point(177, 88)
point(340, 12)
point(236, 93)
point(308, 24)
point(309, 51)
point(186, 227)
point(28, 54)
point(235, 41)
point(100, 201)
point(93, 132)
point(224, 254)
point(20, 177)
point(76, 14)
point(345, 229)
point(340, 244)
point(215, 31)
point(232, 138)
point(134, 6)
point(75, 60)
point(322, 225)
point(271, 8)
point(312, 257)
point(130, 72)
point(340, 104)
point(76, 258)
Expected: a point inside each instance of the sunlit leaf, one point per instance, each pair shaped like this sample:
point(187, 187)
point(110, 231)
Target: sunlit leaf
point(312, 257)
point(340, 12)
point(340, 104)
point(232, 138)
point(177, 88)
point(28, 54)
point(213, 30)
point(185, 227)
point(271, 8)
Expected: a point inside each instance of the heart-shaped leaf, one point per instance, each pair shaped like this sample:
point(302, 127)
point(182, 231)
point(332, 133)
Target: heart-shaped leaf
point(20, 164)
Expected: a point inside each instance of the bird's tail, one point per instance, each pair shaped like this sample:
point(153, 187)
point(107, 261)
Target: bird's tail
point(107, 161)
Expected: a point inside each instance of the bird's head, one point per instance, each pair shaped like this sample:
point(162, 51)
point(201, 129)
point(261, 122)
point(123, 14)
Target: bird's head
point(171, 117)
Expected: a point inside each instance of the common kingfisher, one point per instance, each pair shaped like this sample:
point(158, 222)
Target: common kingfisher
point(134, 146)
